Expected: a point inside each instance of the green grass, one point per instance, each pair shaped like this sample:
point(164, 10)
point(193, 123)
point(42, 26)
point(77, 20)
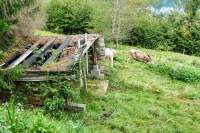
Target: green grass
point(138, 100)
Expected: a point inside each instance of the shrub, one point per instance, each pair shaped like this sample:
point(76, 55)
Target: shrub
point(6, 39)
point(187, 36)
point(151, 32)
point(9, 8)
point(16, 20)
point(8, 76)
point(55, 105)
point(176, 32)
point(18, 121)
point(60, 89)
point(68, 17)
point(182, 73)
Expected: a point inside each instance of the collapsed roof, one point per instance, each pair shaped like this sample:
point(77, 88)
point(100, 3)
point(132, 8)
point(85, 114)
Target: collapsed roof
point(56, 53)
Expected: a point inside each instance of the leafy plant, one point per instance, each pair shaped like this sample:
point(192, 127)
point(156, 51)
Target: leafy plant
point(182, 73)
point(55, 105)
point(6, 39)
point(68, 17)
point(3, 129)
point(8, 76)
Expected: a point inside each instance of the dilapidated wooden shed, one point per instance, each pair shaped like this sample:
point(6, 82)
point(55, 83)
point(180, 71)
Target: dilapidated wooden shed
point(58, 54)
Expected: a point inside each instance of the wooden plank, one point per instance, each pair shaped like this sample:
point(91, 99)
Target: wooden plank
point(40, 78)
point(75, 107)
point(35, 79)
point(89, 44)
point(29, 62)
point(46, 71)
point(24, 56)
point(56, 54)
point(81, 52)
point(13, 58)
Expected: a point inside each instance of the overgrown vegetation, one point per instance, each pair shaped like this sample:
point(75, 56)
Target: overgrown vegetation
point(177, 31)
point(8, 9)
point(17, 19)
point(8, 76)
point(17, 120)
point(69, 17)
point(159, 97)
point(179, 72)
point(145, 99)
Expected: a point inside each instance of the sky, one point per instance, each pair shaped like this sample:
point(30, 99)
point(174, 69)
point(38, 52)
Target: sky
point(165, 7)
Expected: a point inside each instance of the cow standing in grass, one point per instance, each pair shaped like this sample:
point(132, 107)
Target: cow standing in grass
point(139, 56)
point(110, 54)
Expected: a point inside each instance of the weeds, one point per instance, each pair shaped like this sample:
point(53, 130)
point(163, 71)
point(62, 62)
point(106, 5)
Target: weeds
point(55, 105)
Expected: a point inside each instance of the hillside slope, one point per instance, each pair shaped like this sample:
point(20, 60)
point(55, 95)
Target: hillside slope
point(138, 100)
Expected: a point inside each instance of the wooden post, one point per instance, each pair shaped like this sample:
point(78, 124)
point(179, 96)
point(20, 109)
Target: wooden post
point(87, 64)
point(84, 79)
point(80, 67)
point(81, 73)
point(94, 55)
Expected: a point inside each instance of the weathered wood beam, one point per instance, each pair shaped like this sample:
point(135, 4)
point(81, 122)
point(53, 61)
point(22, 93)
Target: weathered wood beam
point(13, 58)
point(25, 55)
point(41, 78)
point(82, 51)
point(75, 107)
point(85, 86)
point(39, 53)
point(89, 44)
point(57, 52)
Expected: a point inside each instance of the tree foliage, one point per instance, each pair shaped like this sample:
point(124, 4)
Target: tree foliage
point(8, 12)
point(178, 31)
point(9, 8)
point(68, 17)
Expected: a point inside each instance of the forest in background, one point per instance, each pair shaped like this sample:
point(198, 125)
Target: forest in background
point(121, 22)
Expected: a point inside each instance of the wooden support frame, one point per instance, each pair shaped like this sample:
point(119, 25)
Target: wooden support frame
point(39, 53)
point(56, 54)
point(25, 55)
point(83, 75)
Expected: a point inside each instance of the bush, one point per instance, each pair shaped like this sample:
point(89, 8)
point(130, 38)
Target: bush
point(181, 73)
point(55, 105)
point(176, 32)
point(151, 32)
point(60, 89)
point(187, 36)
point(8, 76)
point(15, 119)
point(5, 39)
point(68, 17)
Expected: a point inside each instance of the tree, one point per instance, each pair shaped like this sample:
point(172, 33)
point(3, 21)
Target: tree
point(15, 19)
point(9, 8)
point(192, 7)
point(124, 12)
point(69, 17)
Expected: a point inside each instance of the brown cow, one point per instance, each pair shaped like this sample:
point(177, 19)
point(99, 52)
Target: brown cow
point(139, 56)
